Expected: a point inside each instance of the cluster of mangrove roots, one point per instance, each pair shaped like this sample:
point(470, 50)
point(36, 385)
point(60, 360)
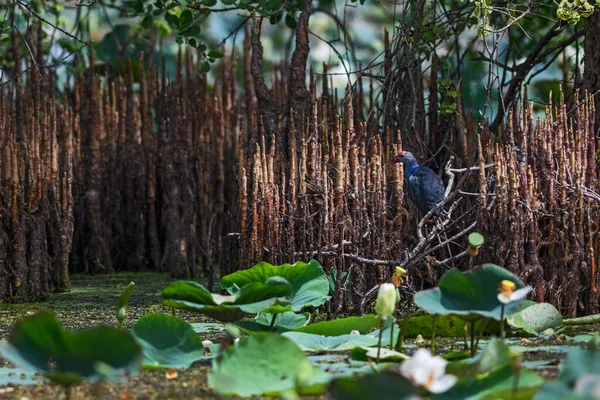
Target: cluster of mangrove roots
point(141, 171)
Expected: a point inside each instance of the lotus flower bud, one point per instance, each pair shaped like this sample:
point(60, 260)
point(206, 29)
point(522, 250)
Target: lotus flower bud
point(386, 300)
point(121, 314)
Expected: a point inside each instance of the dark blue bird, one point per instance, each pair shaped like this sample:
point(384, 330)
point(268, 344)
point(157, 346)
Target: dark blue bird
point(425, 187)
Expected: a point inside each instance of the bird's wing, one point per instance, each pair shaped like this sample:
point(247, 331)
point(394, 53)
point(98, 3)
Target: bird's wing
point(415, 184)
point(429, 188)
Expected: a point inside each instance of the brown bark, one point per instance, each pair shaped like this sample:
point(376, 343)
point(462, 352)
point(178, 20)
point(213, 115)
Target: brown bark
point(591, 60)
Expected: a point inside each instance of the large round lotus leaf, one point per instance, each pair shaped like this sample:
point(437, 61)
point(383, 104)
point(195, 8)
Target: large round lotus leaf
point(536, 318)
point(342, 326)
point(288, 320)
point(382, 386)
point(264, 363)
point(312, 342)
point(309, 281)
point(580, 362)
point(252, 298)
point(38, 343)
point(167, 341)
point(470, 295)
point(496, 384)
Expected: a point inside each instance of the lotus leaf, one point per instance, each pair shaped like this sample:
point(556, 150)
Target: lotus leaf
point(309, 282)
point(470, 295)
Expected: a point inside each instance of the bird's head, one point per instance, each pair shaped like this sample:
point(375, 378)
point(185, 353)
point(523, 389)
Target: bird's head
point(404, 157)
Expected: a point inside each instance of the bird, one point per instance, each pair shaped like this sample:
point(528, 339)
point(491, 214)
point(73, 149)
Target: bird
point(425, 187)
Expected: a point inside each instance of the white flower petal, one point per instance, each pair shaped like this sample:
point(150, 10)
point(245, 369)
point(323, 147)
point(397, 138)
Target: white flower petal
point(588, 384)
point(504, 298)
point(520, 294)
point(442, 385)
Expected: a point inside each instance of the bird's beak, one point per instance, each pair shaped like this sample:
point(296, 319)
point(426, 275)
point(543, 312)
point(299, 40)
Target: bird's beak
point(396, 158)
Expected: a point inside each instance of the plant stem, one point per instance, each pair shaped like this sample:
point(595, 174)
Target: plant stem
point(402, 330)
point(433, 335)
point(465, 337)
point(472, 338)
point(392, 334)
point(502, 333)
point(517, 372)
point(121, 324)
point(379, 344)
point(173, 311)
point(273, 321)
point(483, 326)
point(68, 392)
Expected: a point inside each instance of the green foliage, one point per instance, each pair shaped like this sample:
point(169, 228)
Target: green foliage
point(341, 326)
point(495, 353)
point(122, 305)
point(572, 11)
point(471, 295)
point(167, 341)
point(252, 298)
point(309, 282)
point(40, 344)
point(387, 385)
point(186, 18)
point(536, 318)
point(580, 363)
point(496, 384)
point(265, 363)
point(446, 326)
point(313, 342)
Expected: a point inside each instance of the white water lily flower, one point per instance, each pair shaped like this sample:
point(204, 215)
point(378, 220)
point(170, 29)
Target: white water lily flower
point(354, 332)
point(428, 371)
point(507, 292)
point(588, 385)
point(386, 300)
point(207, 343)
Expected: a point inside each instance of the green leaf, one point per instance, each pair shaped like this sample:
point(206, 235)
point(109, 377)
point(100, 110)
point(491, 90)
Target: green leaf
point(215, 53)
point(185, 19)
point(167, 341)
point(172, 20)
point(290, 21)
point(445, 326)
point(342, 326)
point(557, 390)
point(265, 363)
point(250, 299)
point(309, 282)
point(580, 362)
point(123, 300)
point(228, 2)
point(536, 318)
point(312, 342)
point(497, 384)
point(288, 320)
point(470, 295)
point(383, 386)
point(40, 344)
point(203, 66)
point(209, 3)
point(495, 353)
point(192, 31)
point(147, 22)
